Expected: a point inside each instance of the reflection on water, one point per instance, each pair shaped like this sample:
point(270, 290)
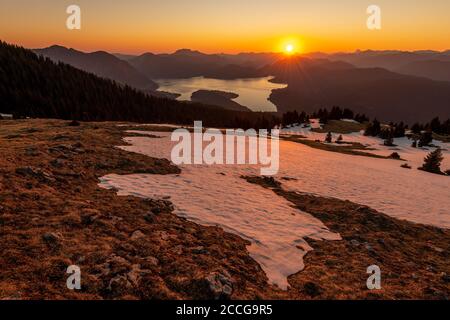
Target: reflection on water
point(253, 93)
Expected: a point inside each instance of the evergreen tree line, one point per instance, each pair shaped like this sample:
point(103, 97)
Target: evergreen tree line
point(36, 87)
point(388, 132)
point(397, 130)
point(434, 125)
point(293, 117)
point(336, 113)
point(422, 135)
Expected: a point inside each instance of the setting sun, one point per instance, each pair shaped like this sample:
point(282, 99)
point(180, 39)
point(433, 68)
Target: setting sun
point(289, 45)
point(289, 49)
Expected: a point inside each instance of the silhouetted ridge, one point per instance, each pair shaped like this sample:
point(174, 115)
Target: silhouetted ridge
point(102, 64)
point(34, 86)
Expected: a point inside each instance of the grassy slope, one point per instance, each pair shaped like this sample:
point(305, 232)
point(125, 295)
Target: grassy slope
point(339, 126)
point(53, 214)
point(354, 148)
point(413, 258)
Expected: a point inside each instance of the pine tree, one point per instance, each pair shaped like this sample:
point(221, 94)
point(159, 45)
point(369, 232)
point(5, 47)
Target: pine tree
point(348, 114)
point(432, 162)
point(389, 141)
point(335, 113)
point(425, 139)
point(399, 130)
point(416, 128)
point(389, 138)
point(361, 118)
point(435, 125)
point(373, 129)
point(445, 127)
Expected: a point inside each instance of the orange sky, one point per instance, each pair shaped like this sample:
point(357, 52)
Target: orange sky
point(137, 26)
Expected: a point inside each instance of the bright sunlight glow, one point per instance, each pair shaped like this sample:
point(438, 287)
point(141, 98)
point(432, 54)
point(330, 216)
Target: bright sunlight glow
point(290, 45)
point(289, 49)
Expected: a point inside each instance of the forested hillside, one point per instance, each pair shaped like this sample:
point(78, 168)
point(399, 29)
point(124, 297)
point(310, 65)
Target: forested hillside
point(100, 63)
point(36, 87)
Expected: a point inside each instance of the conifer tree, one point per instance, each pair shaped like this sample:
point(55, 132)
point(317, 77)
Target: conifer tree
point(432, 162)
point(389, 139)
point(416, 128)
point(425, 139)
point(373, 129)
point(435, 125)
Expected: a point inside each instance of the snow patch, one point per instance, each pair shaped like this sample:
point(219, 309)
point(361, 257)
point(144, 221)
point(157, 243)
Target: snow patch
point(218, 196)
point(350, 120)
point(6, 115)
point(315, 123)
point(414, 156)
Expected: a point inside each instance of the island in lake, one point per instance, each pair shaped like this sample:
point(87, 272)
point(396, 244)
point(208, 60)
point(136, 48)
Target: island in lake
point(219, 98)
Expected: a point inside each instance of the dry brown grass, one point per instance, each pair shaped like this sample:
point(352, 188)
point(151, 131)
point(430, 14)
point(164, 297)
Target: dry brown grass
point(352, 148)
point(343, 127)
point(413, 258)
point(54, 214)
point(443, 138)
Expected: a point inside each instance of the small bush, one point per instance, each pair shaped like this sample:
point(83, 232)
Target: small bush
point(395, 155)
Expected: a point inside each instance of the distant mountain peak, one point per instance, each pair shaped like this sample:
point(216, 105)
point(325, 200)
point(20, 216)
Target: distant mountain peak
point(103, 54)
point(147, 54)
point(188, 52)
point(56, 46)
point(100, 63)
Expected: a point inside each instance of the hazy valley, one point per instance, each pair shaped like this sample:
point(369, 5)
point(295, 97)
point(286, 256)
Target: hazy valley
point(363, 81)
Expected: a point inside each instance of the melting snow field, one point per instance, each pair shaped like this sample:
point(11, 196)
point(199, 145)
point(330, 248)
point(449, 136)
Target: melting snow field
point(217, 195)
point(382, 184)
point(414, 156)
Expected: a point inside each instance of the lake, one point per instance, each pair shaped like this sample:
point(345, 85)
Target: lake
point(253, 93)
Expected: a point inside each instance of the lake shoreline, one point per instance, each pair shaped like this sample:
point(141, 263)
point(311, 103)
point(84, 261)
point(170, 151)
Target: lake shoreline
point(253, 93)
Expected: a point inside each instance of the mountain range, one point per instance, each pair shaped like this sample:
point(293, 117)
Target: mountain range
point(187, 63)
point(34, 86)
point(377, 92)
point(430, 64)
point(100, 63)
point(390, 85)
